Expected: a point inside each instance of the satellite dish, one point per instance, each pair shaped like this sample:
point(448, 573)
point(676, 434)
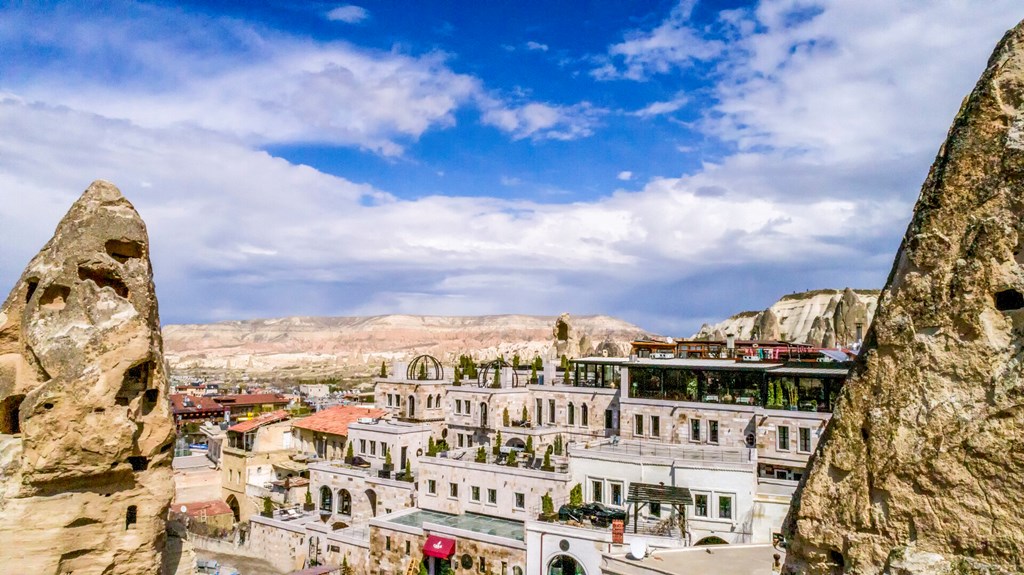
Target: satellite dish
point(638, 548)
point(184, 509)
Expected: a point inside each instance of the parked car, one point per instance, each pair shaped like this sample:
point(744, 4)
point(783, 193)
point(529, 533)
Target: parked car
point(599, 514)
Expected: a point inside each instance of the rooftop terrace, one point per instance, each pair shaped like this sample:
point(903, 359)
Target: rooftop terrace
point(467, 522)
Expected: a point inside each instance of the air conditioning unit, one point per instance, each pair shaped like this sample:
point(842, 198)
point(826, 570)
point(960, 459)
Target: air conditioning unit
point(367, 420)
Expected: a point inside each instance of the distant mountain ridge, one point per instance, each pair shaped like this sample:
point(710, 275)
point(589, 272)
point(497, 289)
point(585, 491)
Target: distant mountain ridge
point(823, 318)
point(324, 346)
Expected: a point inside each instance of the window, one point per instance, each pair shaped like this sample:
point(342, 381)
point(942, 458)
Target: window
point(383, 449)
point(362, 446)
point(584, 415)
point(453, 490)
point(432, 487)
point(492, 496)
point(517, 570)
point(474, 493)
point(326, 499)
point(504, 568)
point(131, 516)
point(344, 502)
point(551, 411)
point(462, 440)
point(655, 509)
point(430, 402)
point(520, 501)
point(408, 547)
point(655, 426)
point(482, 567)
point(539, 412)
point(390, 403)
point(694, 430)
point(596, 490)
point(725, 507)
point(387, 543)
point(609, 419)
point(571, 414)
point(373, 447)
point(805, 439)
point(700, 505)
point(712, 432)
point(783, 436)
point(638, 424)
point(616, 493)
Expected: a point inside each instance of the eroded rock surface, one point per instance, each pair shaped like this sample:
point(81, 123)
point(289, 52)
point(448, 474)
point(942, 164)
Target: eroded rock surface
point(922, 467)
point(86, 434)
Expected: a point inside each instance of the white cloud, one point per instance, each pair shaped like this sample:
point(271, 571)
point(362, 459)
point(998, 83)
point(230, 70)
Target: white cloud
point(671, 45)
point(350, 14)
point(660, 108)
point(625, 176)
point(531, 45)
point(509, 181)
point(540, 121)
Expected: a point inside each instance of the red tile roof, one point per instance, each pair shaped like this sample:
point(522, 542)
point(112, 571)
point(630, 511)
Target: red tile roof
point(250, 399)
point(194, 404)
point(196, 508)
point(272, 417)
point(335, 420)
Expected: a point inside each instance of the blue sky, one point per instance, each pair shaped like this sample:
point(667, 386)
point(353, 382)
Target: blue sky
point(669, 163)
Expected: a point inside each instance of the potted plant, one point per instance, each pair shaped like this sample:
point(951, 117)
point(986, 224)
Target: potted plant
point(576, 495)
point(546, 466)
point(481, 455)
point(547, 508)
point(308, 504)
point(349, 455)
point(496, 448)
point(388, 467)
point(526, 417)
point(511, 460)
point(504, 417)
point(529, 444)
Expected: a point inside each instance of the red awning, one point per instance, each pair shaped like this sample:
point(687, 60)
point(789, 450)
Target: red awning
point(439, 547)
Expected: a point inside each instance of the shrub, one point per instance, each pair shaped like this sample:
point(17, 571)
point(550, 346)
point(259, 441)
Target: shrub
point(511, 461)
point(505, 418)
point(383, 369)
point(547, 506)
point(349, 455)
point(496, 448)
point(529, 444)
point(481, 455)
point(576, 495)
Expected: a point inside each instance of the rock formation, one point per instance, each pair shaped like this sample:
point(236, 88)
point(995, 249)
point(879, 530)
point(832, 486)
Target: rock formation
point(921, 469)
point(85, 426)
point(823, 318)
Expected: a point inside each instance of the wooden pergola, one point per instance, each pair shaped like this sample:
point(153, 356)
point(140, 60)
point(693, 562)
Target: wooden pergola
point(641, 494)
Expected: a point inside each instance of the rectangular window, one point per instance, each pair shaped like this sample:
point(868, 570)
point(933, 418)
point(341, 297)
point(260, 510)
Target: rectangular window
point(571, 415)
point(474, 493)
point(453, 489)
point(504, 568)
point(596, 490)
point(725, 507)
point(638, 424)
point(609, 419)
point(458, 407)
point(700, 505)
point(805, 439)
point(520, 501)
point(373, 448)
point(694, 430)
point(712, 432)
point(492, 496)
point(783, 436)
point(408, 547)
point(383, 449)
point(551, 411)
point(362, 446)
point(655, 426)
point(537, 417)
point(483, 565)
point(387, 543)
point(389, 400)
point(584, 415)
point(616, 493)
point(432, 487)
point(462, 440)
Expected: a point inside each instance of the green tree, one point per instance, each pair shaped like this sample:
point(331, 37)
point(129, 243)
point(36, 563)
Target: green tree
point(538, 363)
point(533, 375)
point(576, 495)
point(511, 460)
point(309, 498)
point(481, 455)
point(431, 447)
point(505, 417)
point(496, 448)
point(408, 471)
point(529, 444)
point(387, 457)
point(349, 455)
point(547, 505)
point(526, 415)
point(558, 445)
point(422, 373)
point(515, 361)
point(383, 369)
point(346, 569)
point(547, 460)
point(565, 363)
point(268, 507)
point(497, 375)
point(457, 380)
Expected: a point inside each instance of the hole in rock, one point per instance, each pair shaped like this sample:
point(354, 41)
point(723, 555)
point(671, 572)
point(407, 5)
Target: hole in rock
point(99, 410)
point(123, 251)
point(138, 462)
point(836, 558)
point(152, 395)
point(104, 278)
point(55, 297)
point(32, 285)
point(48, 405)
point(122, 401)
point(131, 517)
point(864, 434)
point(82, 521)
point(1009, 300)
point(135, 381)
point(166, 447)
point(10, 414)
point(149, 398)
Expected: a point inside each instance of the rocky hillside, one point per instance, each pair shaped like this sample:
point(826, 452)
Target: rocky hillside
point(825, 318)
point(319, 346)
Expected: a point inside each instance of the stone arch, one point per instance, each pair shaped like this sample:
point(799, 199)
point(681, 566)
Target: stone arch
point(515, 442)
point(565, 564)
point(326, 499)
point(430, 402)
point(344, 502)
point(712, 540)
point(10, 414)
point(371, 496)
point(235, 509)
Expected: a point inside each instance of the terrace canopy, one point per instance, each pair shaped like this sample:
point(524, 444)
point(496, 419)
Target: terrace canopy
point(642, 494)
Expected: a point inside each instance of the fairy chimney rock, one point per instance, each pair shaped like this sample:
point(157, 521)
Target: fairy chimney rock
point(86, 433)
point(920, 470)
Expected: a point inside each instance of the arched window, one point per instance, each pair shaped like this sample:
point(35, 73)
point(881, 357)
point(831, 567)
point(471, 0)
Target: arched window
point(344, 502)
point(430, 402)
point(437, 400)
point(412, 406)
point(571, 414)
point(565, 565)
point(584, 415)
point(326, 499)
point(131, 517)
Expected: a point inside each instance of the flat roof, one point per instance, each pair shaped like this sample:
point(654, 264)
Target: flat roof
point(719, 364)
point(483, 524)
point(717, 559)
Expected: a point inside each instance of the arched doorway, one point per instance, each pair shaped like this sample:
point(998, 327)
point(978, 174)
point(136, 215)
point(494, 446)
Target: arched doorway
point(235, 509)
point(565, 565)
point(326, 499)
point(10, 414)
point(483, 414)
point(344, 502)
point(516, 443)
point(371, 495)
point(412, 406)
point(712, 540)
